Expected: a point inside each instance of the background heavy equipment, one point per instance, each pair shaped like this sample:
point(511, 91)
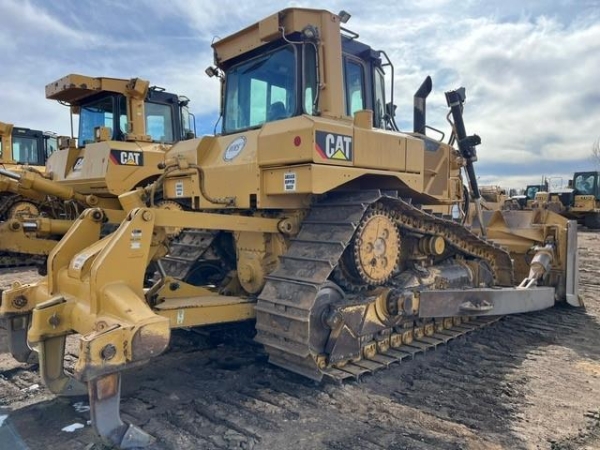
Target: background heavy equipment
point(493, 198)
point(303, 214)
point(19, 148)
point(579, 201)
point(527, 199)
point(125, 127)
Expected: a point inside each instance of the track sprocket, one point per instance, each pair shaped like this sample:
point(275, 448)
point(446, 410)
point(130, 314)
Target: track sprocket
point(373, 255)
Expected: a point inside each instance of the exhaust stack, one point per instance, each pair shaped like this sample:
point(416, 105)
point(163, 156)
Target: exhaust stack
point(419, 121)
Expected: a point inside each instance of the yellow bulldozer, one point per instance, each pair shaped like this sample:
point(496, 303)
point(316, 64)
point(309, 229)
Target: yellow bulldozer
point(304, 215)
point(494, 197)
point(22, 149)
point(125, 128)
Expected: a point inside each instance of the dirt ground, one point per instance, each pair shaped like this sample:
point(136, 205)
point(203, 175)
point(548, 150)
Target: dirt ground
point(525, 382)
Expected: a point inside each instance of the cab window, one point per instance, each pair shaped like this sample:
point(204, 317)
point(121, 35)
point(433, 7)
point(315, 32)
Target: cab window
point(584, 183)
point(531, 191)
point(159, 122)
point(25, 150)
point(379, 104)
point(122, 117)
point(310, 78)
point(355, 87)
point(51, 145)
point(261, 90)
point(99, 113)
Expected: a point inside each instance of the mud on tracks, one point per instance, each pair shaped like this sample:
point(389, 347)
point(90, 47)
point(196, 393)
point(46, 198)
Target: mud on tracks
point(526, 382)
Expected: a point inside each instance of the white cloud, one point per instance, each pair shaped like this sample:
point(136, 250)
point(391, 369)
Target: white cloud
point(26, 21)
point(531, 81)
point(532, 86)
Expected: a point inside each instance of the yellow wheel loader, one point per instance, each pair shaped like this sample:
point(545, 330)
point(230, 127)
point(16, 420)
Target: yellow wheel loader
point(579, 201)
point(585, 204)
point(125, 127)
point(304, 215)
point(531, 196)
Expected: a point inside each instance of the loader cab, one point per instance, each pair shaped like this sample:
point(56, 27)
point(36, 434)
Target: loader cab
point(587, 183)
point(32, 147)
point(279, 80)
point(167, 118)
point(532, 189)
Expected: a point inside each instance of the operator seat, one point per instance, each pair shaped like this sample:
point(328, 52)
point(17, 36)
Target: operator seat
point(276, 112)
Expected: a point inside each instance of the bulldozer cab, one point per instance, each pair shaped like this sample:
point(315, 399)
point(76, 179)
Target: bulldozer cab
point(580, 200)
point(32, 147)
point(299, 70)
point(25, 146)
point(267, 85)
point(127, 110)
point(587, 183)
point(125, 127)
point(166, 117)
point(280, 81)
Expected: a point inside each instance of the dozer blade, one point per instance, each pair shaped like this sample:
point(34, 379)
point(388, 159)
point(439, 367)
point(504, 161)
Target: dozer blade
point(572, 267)
point(520, 231)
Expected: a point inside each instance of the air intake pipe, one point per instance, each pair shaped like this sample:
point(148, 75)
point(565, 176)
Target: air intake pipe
point(419, 121)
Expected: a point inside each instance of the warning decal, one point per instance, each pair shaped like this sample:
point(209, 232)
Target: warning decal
point(136, 239)
point(179, 189)
point(289, 181)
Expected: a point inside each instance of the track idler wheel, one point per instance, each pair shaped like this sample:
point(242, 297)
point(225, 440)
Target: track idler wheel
point(105, 399)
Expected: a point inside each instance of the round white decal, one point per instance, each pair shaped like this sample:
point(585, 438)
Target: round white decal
point(235, 148)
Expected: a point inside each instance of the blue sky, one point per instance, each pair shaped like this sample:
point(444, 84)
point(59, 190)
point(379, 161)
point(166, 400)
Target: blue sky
point(531, 68)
